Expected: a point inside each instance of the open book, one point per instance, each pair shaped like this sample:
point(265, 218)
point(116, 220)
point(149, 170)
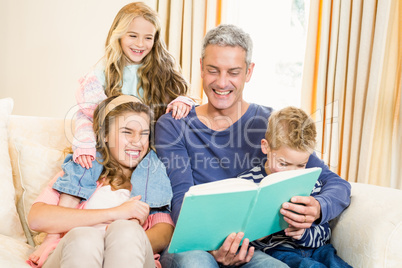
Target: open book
point(212, 211)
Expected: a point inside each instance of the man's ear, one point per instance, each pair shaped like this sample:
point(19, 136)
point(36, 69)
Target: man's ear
point(249, 71)
point(265, 146)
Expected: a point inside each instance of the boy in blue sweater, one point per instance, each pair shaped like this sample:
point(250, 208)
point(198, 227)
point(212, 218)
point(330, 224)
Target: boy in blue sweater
point(289, 142)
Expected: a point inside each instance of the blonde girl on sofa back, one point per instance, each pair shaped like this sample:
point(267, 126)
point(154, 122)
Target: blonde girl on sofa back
point(136, 62)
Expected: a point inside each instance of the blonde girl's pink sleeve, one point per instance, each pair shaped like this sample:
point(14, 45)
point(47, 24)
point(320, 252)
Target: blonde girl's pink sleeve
point(89, 94)
point(184, 99)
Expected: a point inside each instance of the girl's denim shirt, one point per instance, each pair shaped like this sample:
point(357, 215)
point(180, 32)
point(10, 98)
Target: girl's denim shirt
point(149, 179)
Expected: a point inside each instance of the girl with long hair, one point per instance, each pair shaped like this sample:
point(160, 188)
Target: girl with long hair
point(129, 205)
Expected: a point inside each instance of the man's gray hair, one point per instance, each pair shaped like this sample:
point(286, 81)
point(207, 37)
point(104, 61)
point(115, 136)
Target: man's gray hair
point(229, 35)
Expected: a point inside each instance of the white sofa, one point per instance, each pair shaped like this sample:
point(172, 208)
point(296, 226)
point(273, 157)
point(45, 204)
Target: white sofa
point(367, 234)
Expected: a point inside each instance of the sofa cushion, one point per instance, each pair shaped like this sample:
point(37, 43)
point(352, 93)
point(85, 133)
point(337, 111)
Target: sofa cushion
point(369, 232)
point(37, 166)
point(36, 147)
point(10, 222)
point(13, 253)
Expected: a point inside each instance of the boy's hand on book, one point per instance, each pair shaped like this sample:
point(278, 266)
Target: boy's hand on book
point(230, 254)
point(295, 233)
point(301, 212)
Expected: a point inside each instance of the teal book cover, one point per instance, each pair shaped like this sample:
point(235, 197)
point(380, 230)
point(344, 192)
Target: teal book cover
point(212, 211)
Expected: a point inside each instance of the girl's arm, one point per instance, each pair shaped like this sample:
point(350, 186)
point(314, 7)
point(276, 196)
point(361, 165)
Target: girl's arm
point(90, 93)
point(159, 229)
point(46, 216)
point(180, 107)
point(56, 219)
point(159, 235)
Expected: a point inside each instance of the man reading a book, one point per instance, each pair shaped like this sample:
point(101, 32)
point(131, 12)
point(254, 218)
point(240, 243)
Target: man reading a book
point(289, 141)
point(221, 139)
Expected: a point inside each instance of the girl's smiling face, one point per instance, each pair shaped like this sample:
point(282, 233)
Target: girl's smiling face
point(139, 40)
point(128, 139)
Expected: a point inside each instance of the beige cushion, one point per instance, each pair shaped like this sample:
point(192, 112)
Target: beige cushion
point(35, 159)
point(10, 224)
point(37, 166)
point(13, 253)
point(369, 232)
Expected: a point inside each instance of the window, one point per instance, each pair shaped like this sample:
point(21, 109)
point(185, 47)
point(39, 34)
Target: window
point(278, 30)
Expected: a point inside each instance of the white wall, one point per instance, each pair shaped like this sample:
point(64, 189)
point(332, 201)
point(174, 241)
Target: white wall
point(46, 46)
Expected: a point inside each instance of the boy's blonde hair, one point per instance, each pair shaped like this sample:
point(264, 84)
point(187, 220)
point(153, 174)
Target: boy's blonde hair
point(293, 128)
point(159, 76)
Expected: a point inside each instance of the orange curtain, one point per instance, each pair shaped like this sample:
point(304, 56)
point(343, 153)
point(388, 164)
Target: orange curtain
point(351, 86)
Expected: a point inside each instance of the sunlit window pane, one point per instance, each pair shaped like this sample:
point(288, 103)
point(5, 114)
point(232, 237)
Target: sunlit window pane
point(278, 30)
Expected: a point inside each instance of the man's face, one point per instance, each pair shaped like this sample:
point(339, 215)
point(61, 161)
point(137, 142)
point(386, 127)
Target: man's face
point(224, 73)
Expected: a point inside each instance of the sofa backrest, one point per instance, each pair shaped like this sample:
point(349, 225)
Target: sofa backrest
point(37, 150)
point(369, 232)
point(10, 226)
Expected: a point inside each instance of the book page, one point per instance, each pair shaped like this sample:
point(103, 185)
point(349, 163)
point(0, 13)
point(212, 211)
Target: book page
point(283, 175)
point(222, 186)
point(265, 218)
